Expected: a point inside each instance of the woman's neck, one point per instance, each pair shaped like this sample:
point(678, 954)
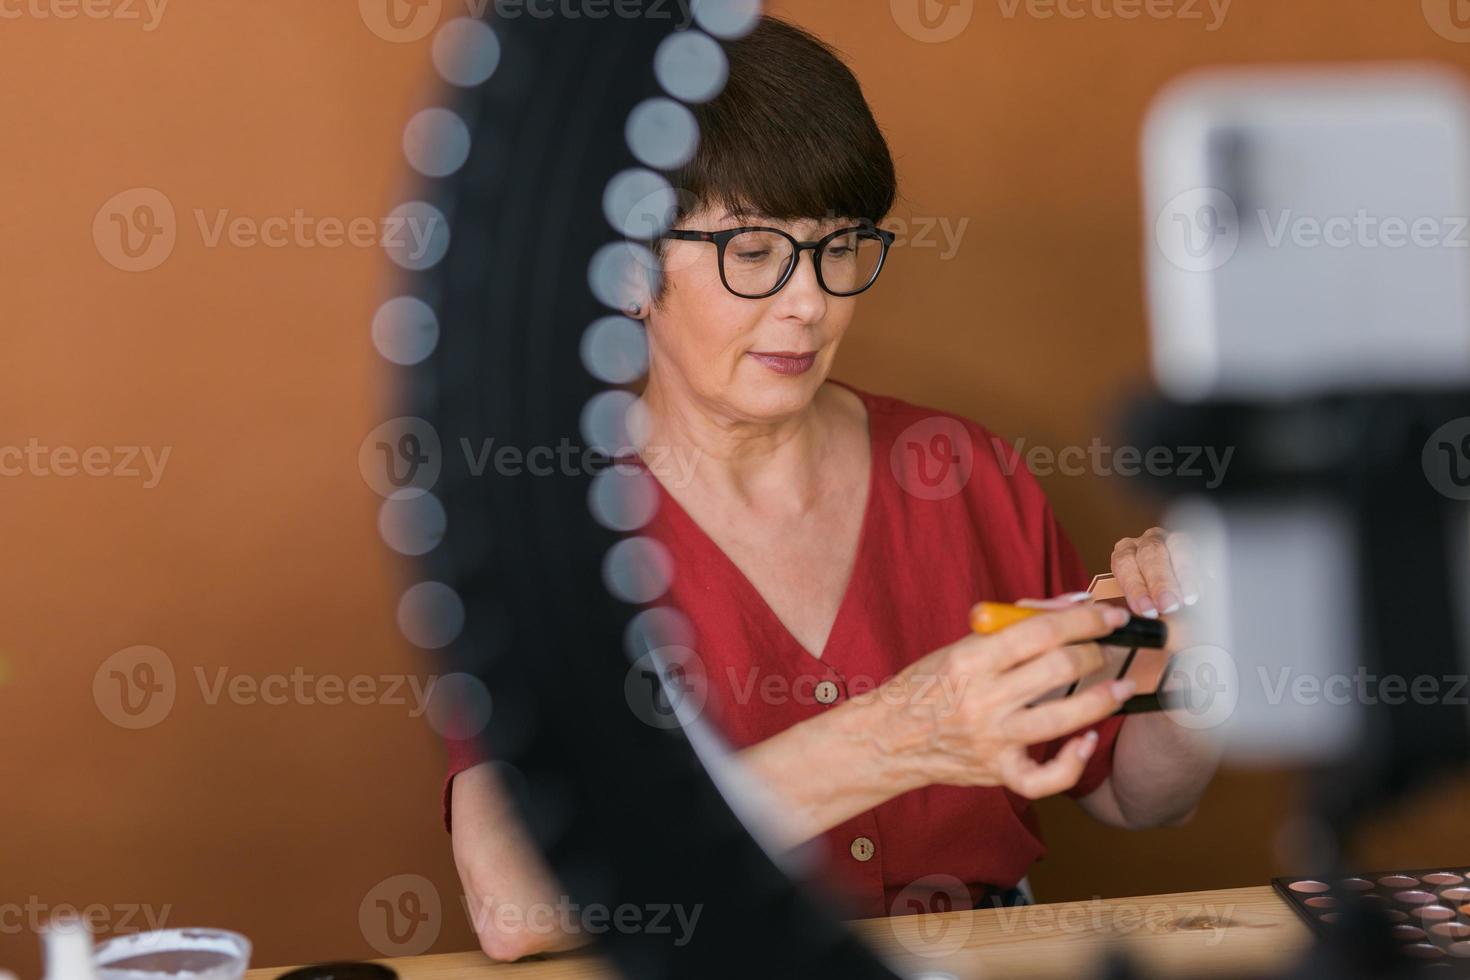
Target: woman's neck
point(754, 462)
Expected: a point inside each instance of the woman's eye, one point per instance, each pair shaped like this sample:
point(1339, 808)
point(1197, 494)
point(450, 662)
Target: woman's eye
point(839, 251)
point(756, 256)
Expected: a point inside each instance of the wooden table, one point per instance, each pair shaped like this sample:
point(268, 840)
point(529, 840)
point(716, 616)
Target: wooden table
point(1191, 934)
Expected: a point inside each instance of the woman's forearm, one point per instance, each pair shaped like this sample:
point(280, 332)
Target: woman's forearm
point(827, 770)
point(1160, 770)
point(510, 895)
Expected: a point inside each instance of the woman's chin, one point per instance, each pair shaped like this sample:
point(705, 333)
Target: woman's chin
point(772, 396)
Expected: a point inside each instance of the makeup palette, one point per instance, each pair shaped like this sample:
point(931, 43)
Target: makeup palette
point(1428, 910)
point(1142, 664)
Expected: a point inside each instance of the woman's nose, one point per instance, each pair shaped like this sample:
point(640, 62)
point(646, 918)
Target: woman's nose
point(804, 291)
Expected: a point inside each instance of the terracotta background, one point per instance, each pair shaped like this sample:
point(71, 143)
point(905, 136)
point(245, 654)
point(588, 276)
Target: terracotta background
point(257, 551)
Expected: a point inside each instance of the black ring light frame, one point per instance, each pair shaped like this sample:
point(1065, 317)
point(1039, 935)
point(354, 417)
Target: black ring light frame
point(625, 813)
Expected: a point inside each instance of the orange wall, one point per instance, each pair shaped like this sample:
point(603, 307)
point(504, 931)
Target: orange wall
point(257, 551)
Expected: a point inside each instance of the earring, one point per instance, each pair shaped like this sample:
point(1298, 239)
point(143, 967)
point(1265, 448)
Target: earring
point(634, 310)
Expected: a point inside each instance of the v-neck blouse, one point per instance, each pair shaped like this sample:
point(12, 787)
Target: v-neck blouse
point(674, 527)
point(952, 518)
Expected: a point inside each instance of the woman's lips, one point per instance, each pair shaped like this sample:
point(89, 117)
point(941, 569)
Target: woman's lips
point(786, 362)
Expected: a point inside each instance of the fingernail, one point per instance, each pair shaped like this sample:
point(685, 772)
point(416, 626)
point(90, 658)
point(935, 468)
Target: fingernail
point(1123, 690)
point(1088, 746)
point(1191, 599)
point(1149, 611)
point(1170, 602)
point(1115, 616)
point(1077, 596)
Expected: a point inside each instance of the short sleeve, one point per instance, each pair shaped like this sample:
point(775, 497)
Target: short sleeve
point(462, 755)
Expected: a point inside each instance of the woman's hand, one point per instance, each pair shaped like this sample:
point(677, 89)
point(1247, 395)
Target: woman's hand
point(1160, 767)
point(965, 714)
point(1156, 572)
point(957, 716)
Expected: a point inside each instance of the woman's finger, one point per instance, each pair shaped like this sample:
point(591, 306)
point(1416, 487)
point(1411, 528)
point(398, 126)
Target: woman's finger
point(1057, 718)
point(1032, 637)
point(1061, 667)
point(1186, 567)
point(1130, 578)
point(1033, 780)
point(1158, 571)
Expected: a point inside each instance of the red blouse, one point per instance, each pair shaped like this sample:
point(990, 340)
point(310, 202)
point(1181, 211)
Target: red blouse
point(952, 519)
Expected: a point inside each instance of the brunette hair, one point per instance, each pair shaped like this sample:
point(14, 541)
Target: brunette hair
point(790, 137)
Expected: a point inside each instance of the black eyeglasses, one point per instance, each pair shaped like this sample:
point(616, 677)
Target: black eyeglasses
point(758, 262)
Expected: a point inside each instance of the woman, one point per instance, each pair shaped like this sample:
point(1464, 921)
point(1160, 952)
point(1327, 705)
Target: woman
point(830, 543)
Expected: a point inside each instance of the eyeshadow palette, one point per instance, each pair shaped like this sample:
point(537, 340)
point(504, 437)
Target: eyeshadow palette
point(1429, 910)
point(1145, 667)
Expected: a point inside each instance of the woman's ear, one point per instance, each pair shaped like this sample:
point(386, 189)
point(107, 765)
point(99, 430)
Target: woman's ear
point(641, 280)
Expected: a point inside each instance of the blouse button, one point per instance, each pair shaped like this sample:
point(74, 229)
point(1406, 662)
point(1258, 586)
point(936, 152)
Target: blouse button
point(826, 692)
point(862, 848)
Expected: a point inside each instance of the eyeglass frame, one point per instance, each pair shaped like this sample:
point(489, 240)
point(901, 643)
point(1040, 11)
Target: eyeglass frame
point(722, 238)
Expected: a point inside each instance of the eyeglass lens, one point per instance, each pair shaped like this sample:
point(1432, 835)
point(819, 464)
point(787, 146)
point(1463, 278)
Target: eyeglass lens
point(757, 261)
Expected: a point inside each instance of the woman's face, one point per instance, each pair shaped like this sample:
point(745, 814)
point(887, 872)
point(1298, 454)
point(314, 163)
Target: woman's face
point(753, 360)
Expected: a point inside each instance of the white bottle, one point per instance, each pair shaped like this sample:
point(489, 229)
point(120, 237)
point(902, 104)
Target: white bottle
point(68, 945)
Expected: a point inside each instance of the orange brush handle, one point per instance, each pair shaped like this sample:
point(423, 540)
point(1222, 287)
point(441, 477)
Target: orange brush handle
point(992, 617)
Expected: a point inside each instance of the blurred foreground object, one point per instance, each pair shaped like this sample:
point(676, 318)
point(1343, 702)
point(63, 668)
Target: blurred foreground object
point(1309, 273)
